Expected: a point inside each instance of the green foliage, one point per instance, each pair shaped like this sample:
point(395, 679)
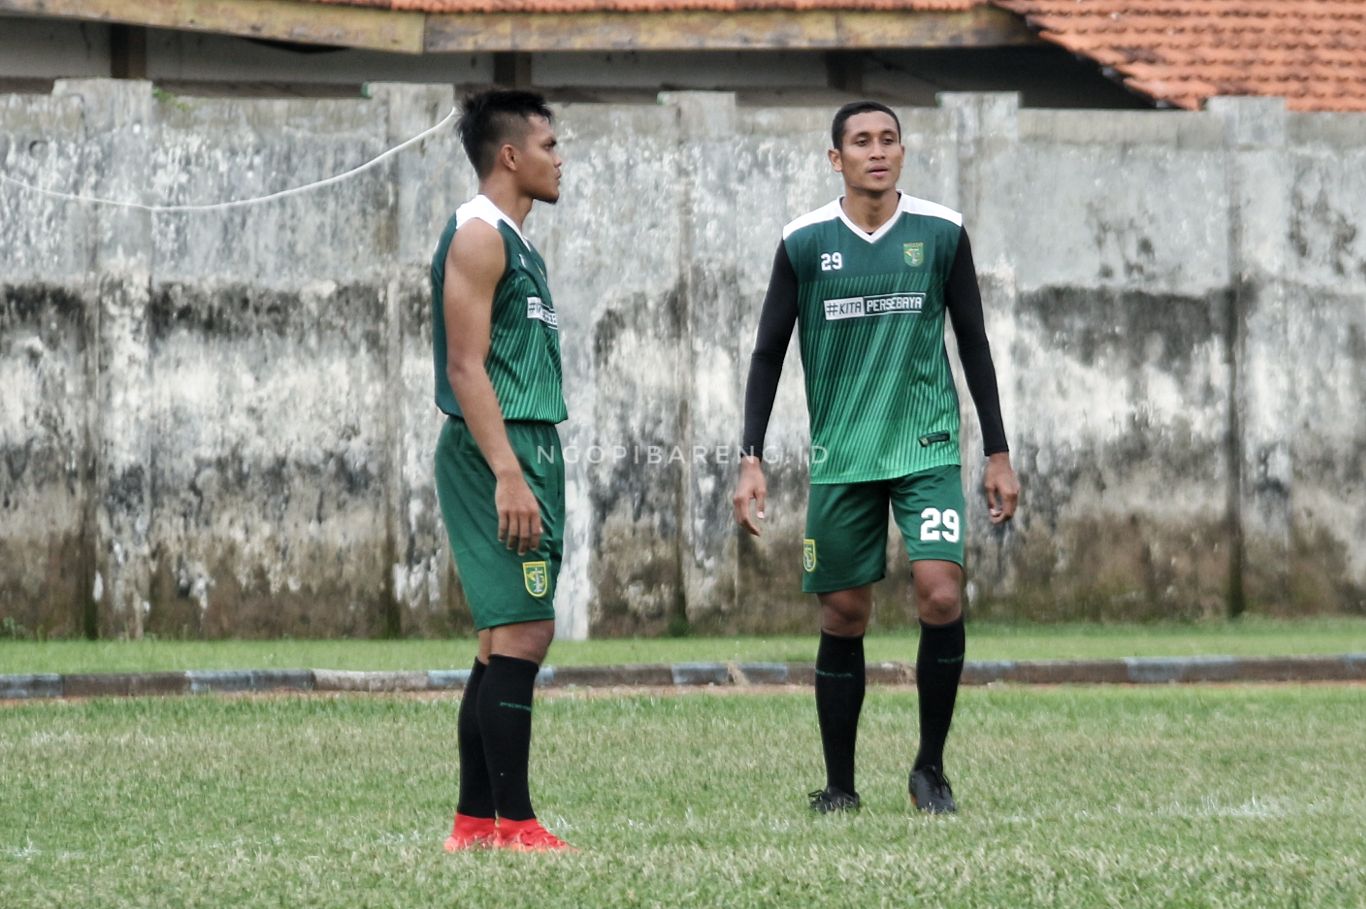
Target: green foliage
point(12, 630)
point(171, 99)
point(679, 626)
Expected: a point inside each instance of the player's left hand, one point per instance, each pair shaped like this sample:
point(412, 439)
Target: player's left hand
point(750, 488)
point(1002, 487)
point(519, 514)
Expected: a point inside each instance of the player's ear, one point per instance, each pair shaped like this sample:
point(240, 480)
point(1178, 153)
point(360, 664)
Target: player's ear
point(835, 160)
point(507, 154)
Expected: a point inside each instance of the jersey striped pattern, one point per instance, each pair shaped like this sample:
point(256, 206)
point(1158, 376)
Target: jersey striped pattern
point(870, 314)
point(523, 362)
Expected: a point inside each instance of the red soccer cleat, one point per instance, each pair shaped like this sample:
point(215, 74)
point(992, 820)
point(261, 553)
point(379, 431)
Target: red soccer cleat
point(471, 833)
point(529, 836)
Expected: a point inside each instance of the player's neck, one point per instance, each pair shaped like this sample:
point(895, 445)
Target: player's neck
point(516, 205)
point(869, 211)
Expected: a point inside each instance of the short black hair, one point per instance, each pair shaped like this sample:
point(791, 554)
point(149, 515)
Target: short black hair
point(491, 118)
point(858, 107)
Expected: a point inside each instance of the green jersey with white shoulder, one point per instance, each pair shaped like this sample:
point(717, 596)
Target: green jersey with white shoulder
point(870, 315)
point(523, 361)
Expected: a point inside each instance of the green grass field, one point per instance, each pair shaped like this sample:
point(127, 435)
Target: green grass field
point(1247, 637)
point(1204, 796)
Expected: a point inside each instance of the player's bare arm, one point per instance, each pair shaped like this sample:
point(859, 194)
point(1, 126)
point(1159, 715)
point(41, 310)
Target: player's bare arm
point(474, 265)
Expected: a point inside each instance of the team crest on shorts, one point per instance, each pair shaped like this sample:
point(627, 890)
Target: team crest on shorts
point(914, 253)
point(536, 576)
point(809, 555)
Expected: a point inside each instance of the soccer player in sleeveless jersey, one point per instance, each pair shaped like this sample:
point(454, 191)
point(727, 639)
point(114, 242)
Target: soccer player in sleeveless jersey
point(868, 280)
point(499, 470)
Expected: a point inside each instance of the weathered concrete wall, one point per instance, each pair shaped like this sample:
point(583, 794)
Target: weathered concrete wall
point(220, 423)
point(1319, 370)
point(1106, 241)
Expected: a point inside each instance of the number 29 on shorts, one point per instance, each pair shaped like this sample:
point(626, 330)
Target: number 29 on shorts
point(936, 525)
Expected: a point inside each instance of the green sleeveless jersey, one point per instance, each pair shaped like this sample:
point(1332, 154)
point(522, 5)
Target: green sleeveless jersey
point(524, 343)
point(870, 314)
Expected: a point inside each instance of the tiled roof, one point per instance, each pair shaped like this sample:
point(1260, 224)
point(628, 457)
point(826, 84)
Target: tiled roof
point(653, 6)
point(1178, 52)
point(1311, 52)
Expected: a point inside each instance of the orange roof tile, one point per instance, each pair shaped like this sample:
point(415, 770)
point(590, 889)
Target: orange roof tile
point(653, 6)
point(1182, 52)
point(1179, 52)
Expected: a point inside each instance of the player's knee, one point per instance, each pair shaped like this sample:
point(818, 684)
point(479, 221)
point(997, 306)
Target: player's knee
point(525, 641)
point(843, 626)
point(844, 618)
point(941, 604)
point(540, 641)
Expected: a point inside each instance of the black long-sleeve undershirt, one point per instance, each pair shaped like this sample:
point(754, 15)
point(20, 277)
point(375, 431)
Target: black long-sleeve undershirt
point(962, 299)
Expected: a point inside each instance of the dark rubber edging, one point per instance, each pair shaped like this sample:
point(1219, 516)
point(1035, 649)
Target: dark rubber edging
point(1349, 667)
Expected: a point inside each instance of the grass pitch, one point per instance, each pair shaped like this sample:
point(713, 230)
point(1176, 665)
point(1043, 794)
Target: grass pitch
point(1247, 637)
point(1071, 797)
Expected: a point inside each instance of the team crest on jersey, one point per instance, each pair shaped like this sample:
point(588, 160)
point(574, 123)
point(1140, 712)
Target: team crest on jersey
point(808, 555)
point(536, 576)
point(914, 253)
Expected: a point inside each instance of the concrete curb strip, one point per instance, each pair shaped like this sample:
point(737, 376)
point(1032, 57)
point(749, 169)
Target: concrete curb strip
point(125, 684)
point(203, 681)
point(701, 674)
point(30, 686)
point(342, 680)
point(282, 680)
point(448, 678)
point(1349, 667)
point(652, 675)
point(765, 673)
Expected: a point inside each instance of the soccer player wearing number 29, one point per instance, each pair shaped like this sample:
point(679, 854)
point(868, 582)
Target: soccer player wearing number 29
point(867, 280)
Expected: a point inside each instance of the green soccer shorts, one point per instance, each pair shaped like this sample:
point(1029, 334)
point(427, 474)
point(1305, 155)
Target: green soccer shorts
point(501, 586)
point(846, 526)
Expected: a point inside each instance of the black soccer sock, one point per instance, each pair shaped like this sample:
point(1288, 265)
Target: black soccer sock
point(476, 793)
point(505, 723)
point(840, 680)
point(938, 667)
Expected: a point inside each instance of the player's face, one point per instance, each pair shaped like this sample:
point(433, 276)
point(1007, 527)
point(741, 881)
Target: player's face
point(870, 153)
point(539, 163)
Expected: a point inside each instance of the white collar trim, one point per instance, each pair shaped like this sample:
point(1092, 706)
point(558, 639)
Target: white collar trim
point(882, 230)
point(483, 205)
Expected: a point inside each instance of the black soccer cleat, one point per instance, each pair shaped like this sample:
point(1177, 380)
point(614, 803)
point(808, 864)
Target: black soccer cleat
point(931, 792)
point(830, 800)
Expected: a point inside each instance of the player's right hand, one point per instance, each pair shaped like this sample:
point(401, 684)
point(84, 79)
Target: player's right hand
point(519, 514)
point(752, 487)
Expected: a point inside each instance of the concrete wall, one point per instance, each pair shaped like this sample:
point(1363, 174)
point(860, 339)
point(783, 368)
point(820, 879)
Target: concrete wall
point(220, 423)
